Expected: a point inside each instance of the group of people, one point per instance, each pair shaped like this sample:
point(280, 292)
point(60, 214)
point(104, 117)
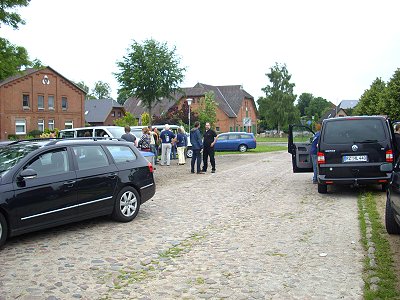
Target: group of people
point(151, 139)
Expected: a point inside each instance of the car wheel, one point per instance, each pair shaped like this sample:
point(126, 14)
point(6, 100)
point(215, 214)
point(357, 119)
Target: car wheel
point(322, 188)
point(391, 225)
point(189, 153)
point(242, 148)
point(3, 230)
point(126, 205)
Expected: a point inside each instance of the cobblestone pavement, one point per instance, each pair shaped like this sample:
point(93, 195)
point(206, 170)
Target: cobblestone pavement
point(253, 230)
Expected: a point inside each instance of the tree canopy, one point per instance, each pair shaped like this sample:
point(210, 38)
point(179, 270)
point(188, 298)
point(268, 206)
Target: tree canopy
point(207, 110)
point(150, 72)
point(8, 15)
point(101, 90)
point(277, 107)
point(13, 58)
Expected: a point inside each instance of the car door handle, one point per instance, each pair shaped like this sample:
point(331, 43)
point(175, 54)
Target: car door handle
point(112, 175)
point(69, 183)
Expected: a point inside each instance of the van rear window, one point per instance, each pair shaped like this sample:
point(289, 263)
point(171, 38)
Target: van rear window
point(352, 131)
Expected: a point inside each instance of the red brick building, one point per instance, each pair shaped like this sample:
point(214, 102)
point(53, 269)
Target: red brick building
point(39, 99)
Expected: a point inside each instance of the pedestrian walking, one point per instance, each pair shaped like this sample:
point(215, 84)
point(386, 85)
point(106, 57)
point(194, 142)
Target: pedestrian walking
point(314, 151)
point(197, 147)
point(166, 137)
point(128, 136)
point(181, 143)
point(210, 137)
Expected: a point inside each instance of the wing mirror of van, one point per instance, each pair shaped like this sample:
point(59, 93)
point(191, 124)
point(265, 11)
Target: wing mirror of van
point(386, 168)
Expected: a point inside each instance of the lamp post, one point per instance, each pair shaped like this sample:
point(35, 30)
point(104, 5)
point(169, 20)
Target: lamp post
point(189, 102)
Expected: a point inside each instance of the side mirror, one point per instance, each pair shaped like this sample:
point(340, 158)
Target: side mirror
point(27, 174)
point(386, 168)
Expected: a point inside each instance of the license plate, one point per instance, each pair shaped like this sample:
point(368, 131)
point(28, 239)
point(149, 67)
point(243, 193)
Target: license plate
point(355, 158)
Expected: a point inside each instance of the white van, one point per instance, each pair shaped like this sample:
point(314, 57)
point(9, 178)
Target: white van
point(94, 131)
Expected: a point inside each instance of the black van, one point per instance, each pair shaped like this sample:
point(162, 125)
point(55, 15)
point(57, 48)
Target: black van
point(351, 151)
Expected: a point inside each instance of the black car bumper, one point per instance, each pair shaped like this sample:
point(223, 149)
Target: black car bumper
point(354, 181)
point(147, 192)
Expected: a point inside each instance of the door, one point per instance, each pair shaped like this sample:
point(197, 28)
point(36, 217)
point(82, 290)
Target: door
point(96, 180)
point(48, 198)
point(299, 145)
point(222, 142)
point(395, 187)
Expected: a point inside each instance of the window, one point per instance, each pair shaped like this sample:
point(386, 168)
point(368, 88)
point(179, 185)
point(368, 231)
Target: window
point(217, 128)
point(69, 124)
point(113, 113)
point(64, 103)
point(50, 163)
point(50, 102)
point(51, 124)
point(40, 102)
point(90, 157)
point(100, 133)
point(233, 136)
point(84, 133)
point(20, 126)
point(121, 154)
point(119, 114)
point(25, 101)
point(40, 125)
point(223, 137)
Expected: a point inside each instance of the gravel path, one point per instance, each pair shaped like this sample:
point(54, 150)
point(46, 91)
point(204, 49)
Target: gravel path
point(253, 230)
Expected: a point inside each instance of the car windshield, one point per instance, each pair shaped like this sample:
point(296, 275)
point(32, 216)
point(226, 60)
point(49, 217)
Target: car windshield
point(354, 131)
point(12, 154)
point(116, 131)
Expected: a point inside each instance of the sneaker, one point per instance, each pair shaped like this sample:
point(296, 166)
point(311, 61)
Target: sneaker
point(192, 172)
point(201, 173)
point(314, 182)
point(212, 171)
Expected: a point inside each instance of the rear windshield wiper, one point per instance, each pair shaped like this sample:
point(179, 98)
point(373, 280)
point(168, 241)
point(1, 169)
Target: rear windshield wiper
point(366, 141)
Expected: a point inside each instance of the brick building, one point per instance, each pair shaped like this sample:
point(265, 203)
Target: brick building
point(39, 99)
point(236, 109)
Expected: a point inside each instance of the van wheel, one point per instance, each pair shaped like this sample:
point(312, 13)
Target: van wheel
point(3, 230)
point(127, 205)
point(322, 188)
point(242, 148)
point(391, 225)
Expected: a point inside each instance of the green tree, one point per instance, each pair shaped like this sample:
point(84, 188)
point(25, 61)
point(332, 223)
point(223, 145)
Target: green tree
point(150, 72)
point(145, 118)
point(84, 87)
point(13, 58)
point(8, 16)
point(373, 101)
point(128, 119)
point(303, 102)
point(277, 107)
point(317, 107)
point(101, 90)
point(207, 110)
point(393, 96)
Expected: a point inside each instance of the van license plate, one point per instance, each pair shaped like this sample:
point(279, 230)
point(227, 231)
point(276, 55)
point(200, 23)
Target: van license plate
point(355, 158)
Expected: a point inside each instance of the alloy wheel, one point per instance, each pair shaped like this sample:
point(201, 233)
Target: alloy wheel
point(128, 204)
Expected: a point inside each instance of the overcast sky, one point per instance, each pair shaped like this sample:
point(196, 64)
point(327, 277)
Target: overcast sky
point(332, 49)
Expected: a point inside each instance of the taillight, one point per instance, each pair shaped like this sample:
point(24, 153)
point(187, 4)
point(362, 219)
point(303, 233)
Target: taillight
point(150, 167)
point(389, 156)
point(320, 158)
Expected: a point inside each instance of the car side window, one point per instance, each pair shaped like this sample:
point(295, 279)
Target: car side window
point(100, 133)
point(233, 136)
point(50, 163)
point(90, 157)
point(222, 137)
point(122, 154)
point(245, 136)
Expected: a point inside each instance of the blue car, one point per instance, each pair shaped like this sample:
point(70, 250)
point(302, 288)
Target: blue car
point(235, 141)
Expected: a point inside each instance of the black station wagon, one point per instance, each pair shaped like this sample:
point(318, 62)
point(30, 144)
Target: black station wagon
point(45, 183)
point(351, 151)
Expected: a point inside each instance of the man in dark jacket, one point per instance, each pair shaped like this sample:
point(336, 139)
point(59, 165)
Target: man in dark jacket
point(210, 137)
point(197, 147)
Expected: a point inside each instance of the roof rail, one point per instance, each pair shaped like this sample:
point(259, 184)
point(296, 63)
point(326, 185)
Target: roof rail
point(53, 141)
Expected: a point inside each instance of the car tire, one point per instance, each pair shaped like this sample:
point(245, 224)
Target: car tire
point(242, 148)
point(391, 225)
point(126, 205)
point(322, 188)
point(3, 230)
point(189, 153)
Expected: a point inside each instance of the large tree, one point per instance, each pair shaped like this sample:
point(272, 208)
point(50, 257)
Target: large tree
point(150, 72)
point(303, 102)
point(373, 100)
point(277, 107)
point(393, 96)
point(101, 90)
point(8, 15)
point(317, 107)
point(12, 59)
point(207, 110)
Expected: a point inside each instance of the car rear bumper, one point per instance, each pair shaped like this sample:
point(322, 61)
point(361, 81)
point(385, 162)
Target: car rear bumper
point(147, 192)
point(354, 181)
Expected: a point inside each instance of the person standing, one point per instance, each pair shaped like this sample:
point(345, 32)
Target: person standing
point(145, 140)
point(166, 137)
point(210, 137)
point(153, 143)
point(314, 151)
point(128, 136)
point(197, 147)
point(181, 143)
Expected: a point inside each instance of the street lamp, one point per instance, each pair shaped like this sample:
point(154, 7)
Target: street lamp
point(189, 102)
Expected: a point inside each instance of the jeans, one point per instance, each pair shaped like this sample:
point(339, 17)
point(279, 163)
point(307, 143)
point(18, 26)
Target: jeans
point(153, 149)
point(208, 152)
point(173, 151)
point(314, 160)
point(165, 153)
point(196, 158)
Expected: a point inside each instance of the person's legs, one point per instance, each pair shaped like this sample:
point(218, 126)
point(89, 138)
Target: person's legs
point(211, 153)
point(168, 148)
point(193, 160)
point(205, 159)
point(198, 161)
point(181, 155)
point(314, 160)
point(163, 154)
point(154, 150)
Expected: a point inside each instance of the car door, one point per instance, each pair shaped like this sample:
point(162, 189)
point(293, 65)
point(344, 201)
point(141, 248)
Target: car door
point(394, 187)
point(299, 145)
point(222, 141)
point(96, 180)
point(49, 197)
point(233, 142)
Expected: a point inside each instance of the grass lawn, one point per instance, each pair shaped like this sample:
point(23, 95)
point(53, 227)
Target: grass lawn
point(271, 139)
point(259, 149)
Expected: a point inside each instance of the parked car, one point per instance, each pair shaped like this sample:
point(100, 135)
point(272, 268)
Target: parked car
point(94, 131)
point(46, 183)
point(351, 151)
point(235, 141)
point(392, 211)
